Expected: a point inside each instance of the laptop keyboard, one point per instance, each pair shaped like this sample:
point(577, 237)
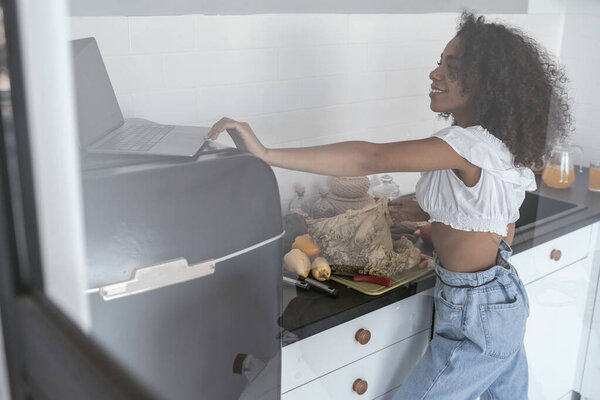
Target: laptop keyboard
point(137, 138)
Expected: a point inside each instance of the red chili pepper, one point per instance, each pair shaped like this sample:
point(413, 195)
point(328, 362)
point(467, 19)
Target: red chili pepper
point(373, 279)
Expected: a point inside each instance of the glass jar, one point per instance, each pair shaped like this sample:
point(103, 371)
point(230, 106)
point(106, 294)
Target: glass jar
point(323, 208)
point(388, 188)
point(559, 172)
point(374, 181)
point(299, 205)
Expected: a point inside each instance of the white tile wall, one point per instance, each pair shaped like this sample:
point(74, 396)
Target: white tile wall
point(112, 33)
point(182, 106)
point(217, 68)
point(310, 61)
point(163, 34)
point(580, 56)
point(136, 74)
point(298, 79)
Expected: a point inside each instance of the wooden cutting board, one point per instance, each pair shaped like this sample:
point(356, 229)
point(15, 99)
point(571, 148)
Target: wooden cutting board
point(374, 289)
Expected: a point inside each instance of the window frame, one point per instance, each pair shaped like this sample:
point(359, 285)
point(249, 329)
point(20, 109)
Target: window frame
point(48, 356)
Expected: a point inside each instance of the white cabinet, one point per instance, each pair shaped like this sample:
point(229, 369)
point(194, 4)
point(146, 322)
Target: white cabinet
point(379, 372)
point(552, 255)
point(561, 293)
point(590, 385)
point(327, 364)
point(567, 396)
point(555, 330)
point(560, 279)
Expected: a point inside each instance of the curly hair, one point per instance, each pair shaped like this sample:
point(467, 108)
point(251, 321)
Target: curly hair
point(519, 90)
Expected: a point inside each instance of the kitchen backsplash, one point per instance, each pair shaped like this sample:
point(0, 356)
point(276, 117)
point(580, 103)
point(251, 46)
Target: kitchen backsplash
point(298, 79)
point(579, 53)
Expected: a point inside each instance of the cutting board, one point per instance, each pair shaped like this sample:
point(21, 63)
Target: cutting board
point(374, 289)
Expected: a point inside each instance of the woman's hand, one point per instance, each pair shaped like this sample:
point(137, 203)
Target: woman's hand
point(241, 134)
point(403, 209)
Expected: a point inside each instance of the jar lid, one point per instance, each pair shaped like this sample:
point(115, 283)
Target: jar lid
point(323, 191)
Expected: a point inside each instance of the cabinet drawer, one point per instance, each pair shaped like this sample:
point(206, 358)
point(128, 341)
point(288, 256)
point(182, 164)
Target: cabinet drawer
point(382, 371)
point(317, 355)
point(537, 262)
point(389, 395)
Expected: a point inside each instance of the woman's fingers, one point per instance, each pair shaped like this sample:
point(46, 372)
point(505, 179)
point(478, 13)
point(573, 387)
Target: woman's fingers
point(241, 134)
point(220, 126)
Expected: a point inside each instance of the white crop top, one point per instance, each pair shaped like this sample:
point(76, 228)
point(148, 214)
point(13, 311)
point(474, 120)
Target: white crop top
point(495, 199)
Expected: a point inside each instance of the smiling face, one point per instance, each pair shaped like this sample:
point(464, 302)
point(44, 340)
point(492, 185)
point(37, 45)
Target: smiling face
point(446, 91)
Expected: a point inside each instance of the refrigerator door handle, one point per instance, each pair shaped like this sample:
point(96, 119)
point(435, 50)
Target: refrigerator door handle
point(168, 273)
point(158, 275)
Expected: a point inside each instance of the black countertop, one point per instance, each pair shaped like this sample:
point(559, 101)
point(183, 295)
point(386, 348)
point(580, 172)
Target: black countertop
point(577, 194)
point(310, 312)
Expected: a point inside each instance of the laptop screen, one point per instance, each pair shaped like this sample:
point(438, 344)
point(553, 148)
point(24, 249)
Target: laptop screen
point(98, 111)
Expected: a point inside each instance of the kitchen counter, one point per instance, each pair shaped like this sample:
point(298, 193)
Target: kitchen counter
point(310, 312)
point(577, 194)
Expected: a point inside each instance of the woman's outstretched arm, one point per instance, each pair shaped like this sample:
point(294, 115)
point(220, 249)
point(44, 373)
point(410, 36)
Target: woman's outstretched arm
point(356, 158)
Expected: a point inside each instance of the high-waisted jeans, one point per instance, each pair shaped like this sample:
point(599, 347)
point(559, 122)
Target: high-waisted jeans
point(477, 346)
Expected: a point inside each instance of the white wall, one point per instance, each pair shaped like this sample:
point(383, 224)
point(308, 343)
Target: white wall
point(580, 55)
point(238, 7)
point(298, 79)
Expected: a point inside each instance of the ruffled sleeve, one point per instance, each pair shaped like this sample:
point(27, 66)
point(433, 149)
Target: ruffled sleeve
point(483, 149)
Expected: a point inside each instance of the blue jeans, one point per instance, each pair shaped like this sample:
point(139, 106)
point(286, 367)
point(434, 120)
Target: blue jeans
point(477, 346)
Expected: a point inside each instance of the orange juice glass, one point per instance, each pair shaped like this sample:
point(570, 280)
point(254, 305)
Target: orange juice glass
point(559, 172)
point(594, 182)
point(558, 178)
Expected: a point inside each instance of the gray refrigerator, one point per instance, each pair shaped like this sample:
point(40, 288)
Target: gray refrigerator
point(184, 271)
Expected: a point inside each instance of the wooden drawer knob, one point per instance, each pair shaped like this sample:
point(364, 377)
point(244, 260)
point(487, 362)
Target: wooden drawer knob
point(360, 386)
point(555, 254)
point(363, 336)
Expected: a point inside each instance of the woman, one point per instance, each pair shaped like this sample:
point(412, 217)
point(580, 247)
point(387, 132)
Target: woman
point(506, 99)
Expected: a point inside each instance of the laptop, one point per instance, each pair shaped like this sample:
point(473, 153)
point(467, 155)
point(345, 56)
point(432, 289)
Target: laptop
point(102, 128)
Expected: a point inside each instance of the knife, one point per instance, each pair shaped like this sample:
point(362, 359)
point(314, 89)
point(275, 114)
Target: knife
point(320, 285)
point(297, 283)
point(380, 280)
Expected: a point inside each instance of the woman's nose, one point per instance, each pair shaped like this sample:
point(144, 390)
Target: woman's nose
point(435, 75)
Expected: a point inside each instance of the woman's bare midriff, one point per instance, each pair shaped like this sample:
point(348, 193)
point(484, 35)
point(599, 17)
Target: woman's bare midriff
point(466, 251)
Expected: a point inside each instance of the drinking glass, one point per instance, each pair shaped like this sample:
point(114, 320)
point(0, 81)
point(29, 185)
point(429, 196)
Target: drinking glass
point(594, 181)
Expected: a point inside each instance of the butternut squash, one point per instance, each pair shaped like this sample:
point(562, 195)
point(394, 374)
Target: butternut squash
point(307, 245)
point(320, 269)
point(298, 262)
